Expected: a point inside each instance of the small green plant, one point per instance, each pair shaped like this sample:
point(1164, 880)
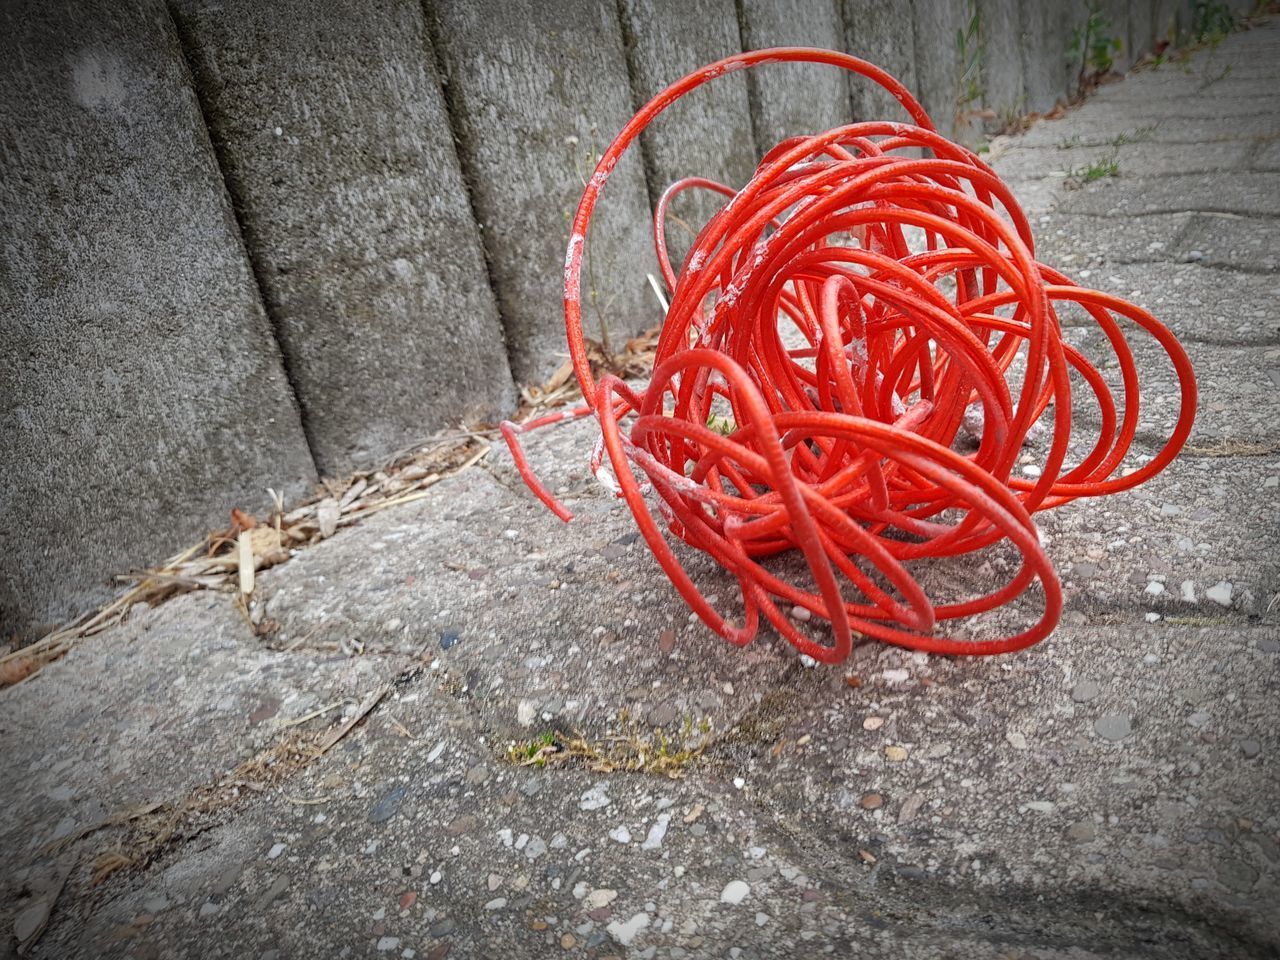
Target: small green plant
point(1093, 47)
point(969, 49)
point(1137, 136)
point(1211, 21)
point(532, 753)
point(721, 425)
point(626, 748)
point(1100, 169)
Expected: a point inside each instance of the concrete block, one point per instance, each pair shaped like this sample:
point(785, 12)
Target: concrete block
point(537, 93)
point(1048, 74)
point(709, 132)
point(1002, 86)
point(335, 141)
point(939, 26)
point(789, 99)
point(1168, 16)
point(882, 33)
point(1141, 30)
point(1114, 25)
point(142, 395)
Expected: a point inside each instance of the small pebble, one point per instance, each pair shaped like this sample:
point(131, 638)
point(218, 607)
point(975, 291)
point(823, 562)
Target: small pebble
point(1084, 691)
point(1250, 748)
point(734, 892)
point(803, 614)
point(620, 834)
point(873, 723)
point(871, 801)
point(625, 932)
point(1113, 726)
point(895, 754)
point(739, 783)
point(1220, 593)
point(275, 851)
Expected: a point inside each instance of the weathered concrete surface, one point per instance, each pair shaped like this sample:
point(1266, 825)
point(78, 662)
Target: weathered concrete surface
point(1110, 792)
point(883, 34)
point(537, 93)
point(1001, 74)
point(336, 147)
point(142, 395)
point(791, 100)
point(1048, 75)
point(708, 133)
point(938, 64)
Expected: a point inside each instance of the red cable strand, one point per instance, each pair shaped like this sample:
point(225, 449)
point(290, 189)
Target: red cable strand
point(842, 441)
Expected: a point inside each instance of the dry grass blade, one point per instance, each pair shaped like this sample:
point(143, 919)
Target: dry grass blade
point(330, 739)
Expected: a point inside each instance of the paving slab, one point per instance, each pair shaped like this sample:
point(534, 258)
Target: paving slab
point(1249, 194)
point(1237, 242)
point(1071, 241)
point(1199, 304)
point(1139, 159)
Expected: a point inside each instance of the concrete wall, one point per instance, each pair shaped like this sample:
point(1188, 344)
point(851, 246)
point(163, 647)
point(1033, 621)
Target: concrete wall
point(243, 240)
point(536, 94)
point(789, 100)
point(708, 133)
point(336, 147)
point(142, 394)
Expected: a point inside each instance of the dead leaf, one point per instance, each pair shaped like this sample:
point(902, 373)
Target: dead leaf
point(241, 521)
point(17, 670)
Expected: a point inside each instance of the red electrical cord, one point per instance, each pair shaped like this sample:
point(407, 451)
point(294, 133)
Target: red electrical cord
point(838, 441)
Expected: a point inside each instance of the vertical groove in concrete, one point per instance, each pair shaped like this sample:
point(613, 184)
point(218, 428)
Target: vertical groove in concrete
point(794, 99)
point(753, 80)
point(458, 133)
point(234, 203)
point(653, 182)
point(336, 141)
point(537, 94)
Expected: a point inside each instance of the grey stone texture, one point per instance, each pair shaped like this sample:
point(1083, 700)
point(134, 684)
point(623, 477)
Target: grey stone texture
point(791, 99)
point(1048, 75)
point(939, 68)
point(1001, 75)
point(1109, 792)
point(336, 147)
point(882, 33)
point(538, 92)
point(142, 395)
point(707, 134)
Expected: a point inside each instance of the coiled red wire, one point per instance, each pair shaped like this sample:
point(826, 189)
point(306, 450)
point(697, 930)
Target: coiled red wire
point(838, 441)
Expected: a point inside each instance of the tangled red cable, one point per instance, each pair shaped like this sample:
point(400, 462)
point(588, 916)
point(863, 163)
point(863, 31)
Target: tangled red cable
point(828, 331)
